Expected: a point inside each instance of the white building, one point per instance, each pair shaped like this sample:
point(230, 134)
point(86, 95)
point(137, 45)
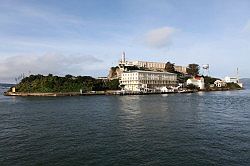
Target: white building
point(154, 65)
point(150, 65)
point(231, 80)
point(140, 80)
point(220, 83)
point(197, 81)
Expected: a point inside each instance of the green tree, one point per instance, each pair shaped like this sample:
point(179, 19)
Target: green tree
point(132, 68)
point(192, 87)
point(209, 80)
point(113, 84)
point(169, 67)
point(193, 69)
point(50, 83)
point(68, 76)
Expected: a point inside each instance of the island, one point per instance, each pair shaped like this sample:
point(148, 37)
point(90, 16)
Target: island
point(128, 78)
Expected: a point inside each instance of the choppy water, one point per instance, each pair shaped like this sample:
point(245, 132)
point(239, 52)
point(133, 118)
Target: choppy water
point(180, 129)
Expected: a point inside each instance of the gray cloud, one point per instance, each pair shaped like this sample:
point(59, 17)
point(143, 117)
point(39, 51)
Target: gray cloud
point(160, 37)
point(13, 66)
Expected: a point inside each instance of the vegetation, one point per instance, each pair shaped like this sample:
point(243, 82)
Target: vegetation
point(136, 68)
point(209, 80)
point(114, 68)
point(182, 78)
point(192, 87)
point(42, 84)
point(193, 69)
point(132, 68)
point(169, 67)
point(233, 86)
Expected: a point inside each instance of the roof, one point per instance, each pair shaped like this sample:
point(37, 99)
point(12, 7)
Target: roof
point(149, 62)
point(197, 77)
point(230, 77)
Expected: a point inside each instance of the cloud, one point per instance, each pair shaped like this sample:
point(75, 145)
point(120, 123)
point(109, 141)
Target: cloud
point(160, 37)
point(14, 11)
point(79, 64)
point(38, 21)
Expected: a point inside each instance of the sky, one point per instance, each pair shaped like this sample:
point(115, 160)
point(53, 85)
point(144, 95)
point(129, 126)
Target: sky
point(87, 37)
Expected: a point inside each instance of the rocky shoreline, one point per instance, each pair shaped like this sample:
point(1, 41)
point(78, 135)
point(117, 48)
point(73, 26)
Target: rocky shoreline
point(25, 94)
point(40, 94)
point(88, 94)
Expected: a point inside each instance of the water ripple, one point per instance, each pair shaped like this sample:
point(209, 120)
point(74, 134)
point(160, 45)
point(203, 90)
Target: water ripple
point(180, 129)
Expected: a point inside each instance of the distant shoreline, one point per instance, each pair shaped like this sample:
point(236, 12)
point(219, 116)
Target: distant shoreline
point(24, 94)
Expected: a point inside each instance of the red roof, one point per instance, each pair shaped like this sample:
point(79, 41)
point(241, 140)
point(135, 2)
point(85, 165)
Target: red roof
point(197, 77)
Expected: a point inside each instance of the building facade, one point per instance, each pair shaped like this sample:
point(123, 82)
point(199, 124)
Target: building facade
point(139, 80)
point(231, 80)
point(149, 65)
point(220, 83)
point(197, 81)
point(181, 69)
point(152, 65)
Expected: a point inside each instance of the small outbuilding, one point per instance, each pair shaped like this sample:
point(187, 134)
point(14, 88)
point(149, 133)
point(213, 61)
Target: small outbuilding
point(13, 89)
point(220, 83)
point(231, 80)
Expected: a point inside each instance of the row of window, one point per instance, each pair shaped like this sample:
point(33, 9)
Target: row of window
point(148, 82)
point(146, 75)
point(149, 78)
point(156, 65)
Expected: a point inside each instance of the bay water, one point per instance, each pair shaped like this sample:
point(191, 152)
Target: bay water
point(211, 128)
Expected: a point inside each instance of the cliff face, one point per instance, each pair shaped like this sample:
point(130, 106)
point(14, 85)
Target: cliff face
point(114, 73)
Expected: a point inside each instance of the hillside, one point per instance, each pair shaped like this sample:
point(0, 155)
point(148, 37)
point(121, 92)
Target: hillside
point(69, 83)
